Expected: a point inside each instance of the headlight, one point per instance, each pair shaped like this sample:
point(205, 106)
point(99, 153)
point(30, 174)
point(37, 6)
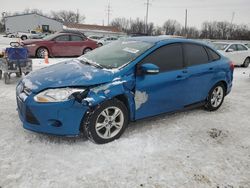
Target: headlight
point(56, 95)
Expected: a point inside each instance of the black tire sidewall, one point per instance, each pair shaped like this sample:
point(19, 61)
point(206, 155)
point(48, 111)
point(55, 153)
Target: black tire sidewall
point(208, 105)
point(39, 50)
point(90, 126)
point(84, 51)
point(246, 62)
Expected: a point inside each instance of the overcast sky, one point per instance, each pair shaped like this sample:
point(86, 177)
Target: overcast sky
point(159, 11)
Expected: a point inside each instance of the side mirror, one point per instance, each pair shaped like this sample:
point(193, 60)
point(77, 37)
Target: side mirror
point(149, 68)
point(230, 50)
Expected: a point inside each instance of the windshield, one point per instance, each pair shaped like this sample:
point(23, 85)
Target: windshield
point(220, 46)
point(117, 53)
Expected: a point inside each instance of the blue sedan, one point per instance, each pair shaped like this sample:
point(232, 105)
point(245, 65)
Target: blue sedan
point(100, 92)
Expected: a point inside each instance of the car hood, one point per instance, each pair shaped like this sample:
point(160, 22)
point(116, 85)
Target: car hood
point(71, 73)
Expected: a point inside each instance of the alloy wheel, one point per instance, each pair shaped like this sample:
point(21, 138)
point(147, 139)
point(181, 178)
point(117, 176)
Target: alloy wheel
point(217, 96)
point(109, 122)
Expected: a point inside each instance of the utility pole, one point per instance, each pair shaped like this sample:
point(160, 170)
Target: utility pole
point(147, 4)
point(231, 26)
point(108, 11)
point(186, 19)
point(233, 15)
point(4, 21)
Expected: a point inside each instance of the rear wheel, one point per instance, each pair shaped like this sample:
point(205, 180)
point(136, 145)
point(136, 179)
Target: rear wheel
point(107, 122)
point(100, 44)
point(24, 37)
point(86, 50)
point(40, 53)
point(215, 97)
point(246, 62)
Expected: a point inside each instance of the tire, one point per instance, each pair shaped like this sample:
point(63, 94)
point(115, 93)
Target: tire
point(24, 37)
point(99, 44)
point(6, 78)
point(102, 126)
point(86, 50)
point(215, 97)
point(18, 75)
point(246, 62)
point(40, 53)
point(12, 36)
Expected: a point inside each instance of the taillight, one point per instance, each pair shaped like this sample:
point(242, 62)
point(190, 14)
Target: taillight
point(231, 65)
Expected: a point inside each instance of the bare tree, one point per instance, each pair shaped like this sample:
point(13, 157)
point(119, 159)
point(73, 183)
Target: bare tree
point(171, 27)
point(122, 24)
point(68, 16)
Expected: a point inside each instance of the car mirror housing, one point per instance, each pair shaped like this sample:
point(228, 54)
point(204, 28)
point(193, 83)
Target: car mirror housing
point(149, 68)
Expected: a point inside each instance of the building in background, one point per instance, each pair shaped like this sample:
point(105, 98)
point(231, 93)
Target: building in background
point(97, 30)
point(31, 22)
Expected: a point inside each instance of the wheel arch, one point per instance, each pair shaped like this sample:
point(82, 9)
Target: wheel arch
point(224, 84)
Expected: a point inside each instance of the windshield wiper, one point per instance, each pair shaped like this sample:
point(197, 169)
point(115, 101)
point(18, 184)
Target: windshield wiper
point(88, 62)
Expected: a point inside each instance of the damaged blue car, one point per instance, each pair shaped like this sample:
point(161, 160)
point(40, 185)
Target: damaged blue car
point(100, 92)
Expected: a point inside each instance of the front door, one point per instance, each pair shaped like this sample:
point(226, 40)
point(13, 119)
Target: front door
point(61, 46)
point(162, 92)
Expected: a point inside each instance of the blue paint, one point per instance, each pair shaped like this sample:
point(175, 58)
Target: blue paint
point(147, 94)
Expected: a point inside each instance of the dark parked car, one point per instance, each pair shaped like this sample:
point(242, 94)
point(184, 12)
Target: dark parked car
point(60, 44)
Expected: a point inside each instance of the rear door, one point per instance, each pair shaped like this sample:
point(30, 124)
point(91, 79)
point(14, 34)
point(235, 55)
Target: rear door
point(162, 92)
point(201, 69)
point(77, 45)
point(243, 53)
point(61, 46)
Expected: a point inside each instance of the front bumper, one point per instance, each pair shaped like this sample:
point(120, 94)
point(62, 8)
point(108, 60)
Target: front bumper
point(62, 118)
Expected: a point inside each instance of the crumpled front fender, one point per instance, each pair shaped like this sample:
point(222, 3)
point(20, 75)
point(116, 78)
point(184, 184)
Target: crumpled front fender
point(119, 86)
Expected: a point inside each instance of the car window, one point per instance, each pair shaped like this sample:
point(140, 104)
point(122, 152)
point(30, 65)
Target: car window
point(76, 38)
point(195, 55)
point(167, 58)
point(233, 47)
point(220, 46)
point(62, 38)
point(241, 47)
point(213, 56)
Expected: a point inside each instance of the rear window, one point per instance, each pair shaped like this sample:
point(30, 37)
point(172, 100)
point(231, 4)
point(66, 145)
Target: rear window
point(76, 38)
point(213, 56)
point(195, 54)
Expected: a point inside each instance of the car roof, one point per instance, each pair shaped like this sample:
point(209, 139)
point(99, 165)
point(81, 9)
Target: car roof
point(229, 43)
point(164, 39)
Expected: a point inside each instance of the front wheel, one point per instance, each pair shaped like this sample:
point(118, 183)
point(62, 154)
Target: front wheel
point(246, 62)
point(40, 53)
point(216, 97)
point(107, 122)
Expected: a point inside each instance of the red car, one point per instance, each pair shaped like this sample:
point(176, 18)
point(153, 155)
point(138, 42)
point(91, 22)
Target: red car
point(60, 44)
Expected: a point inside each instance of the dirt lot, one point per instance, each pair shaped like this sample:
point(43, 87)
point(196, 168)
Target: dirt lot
point(188, 149)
